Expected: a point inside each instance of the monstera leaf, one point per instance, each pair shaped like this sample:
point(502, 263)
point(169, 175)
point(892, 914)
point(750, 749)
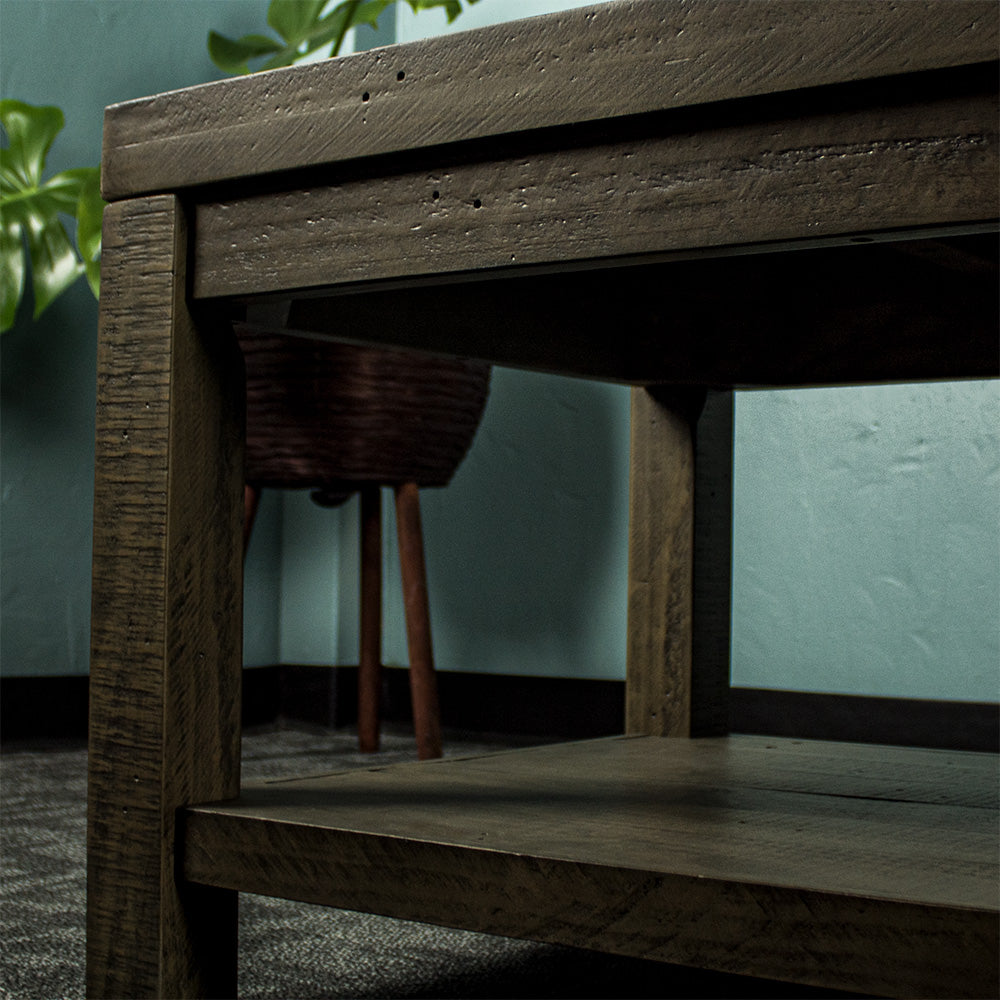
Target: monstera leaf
point(302, 28)
point(31, 210)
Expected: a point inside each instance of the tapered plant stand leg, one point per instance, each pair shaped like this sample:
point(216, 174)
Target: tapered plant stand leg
point(251, 501)
point(167, 614)
point(370, 670)
point(423, 683)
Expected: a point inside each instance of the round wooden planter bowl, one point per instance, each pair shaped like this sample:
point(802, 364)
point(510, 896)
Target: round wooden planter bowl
point(336, 417)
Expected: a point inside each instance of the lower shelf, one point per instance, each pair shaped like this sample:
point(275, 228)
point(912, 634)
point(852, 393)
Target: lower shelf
point(858, 867)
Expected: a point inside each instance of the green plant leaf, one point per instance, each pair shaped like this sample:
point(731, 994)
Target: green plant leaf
point(232, 56)
point(369, 11)
point(30, 131)
point(54, 263)
point(294, 19)
point(303, 28)
point(332, 29)
point(11, 274)
point(32, 208)
point(89, 215)
point(452, 8)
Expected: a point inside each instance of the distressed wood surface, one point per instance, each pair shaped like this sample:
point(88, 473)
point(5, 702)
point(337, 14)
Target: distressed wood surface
point(658, 695)
point(814, 317)
point(873, 869)
point(610, 60)
point(725, 184)
point(166, 630)
point(680, 562)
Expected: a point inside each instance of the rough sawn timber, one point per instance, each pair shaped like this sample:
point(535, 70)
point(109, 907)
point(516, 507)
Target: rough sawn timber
point(529, 74)
point(869, 869)
point(166, 633)
point(711, 184)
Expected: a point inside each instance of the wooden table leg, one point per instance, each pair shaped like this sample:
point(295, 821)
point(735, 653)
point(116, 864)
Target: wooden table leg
point(423, 683)
point(679, 562)
point(167, 615)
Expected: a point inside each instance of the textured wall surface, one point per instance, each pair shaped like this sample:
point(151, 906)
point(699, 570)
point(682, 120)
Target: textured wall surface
point(866, 551)
point(80, 56)
point(866, 545)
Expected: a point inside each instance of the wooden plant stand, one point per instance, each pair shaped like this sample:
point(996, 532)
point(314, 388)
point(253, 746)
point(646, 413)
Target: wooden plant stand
point(687, 197)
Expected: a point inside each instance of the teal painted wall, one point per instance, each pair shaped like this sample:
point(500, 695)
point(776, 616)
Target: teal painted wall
point(866, 542)
point(82, 56)
point(867, 557)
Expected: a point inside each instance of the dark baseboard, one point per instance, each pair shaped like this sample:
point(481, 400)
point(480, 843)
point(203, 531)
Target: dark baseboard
point(941, 725)
point(480, 703)
point(43, 708)
point(46, 708)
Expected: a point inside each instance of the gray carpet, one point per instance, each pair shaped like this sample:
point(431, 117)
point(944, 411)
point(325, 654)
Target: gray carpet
point(287, 950)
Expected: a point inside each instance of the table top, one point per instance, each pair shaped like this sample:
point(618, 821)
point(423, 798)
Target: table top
point(608, 61)
point(672, 146)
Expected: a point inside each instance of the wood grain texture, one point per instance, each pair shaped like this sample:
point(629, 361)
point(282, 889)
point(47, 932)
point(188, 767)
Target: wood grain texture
point(813, 317)
point(610, 60)
point(658, 694)
point(703, 184)
point(333, 417)
point(872, 869)
point(166, 623)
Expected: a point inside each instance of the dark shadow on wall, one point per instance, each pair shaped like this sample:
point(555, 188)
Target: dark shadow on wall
point(527, 546)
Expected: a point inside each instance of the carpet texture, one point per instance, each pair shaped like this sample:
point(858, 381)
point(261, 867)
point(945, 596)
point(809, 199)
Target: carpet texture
point(287, 949)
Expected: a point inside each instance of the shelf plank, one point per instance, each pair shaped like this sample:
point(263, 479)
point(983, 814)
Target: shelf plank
point(611, 60)
point(866, 868)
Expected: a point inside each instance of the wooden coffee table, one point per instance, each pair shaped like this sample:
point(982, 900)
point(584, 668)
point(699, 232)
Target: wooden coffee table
point(686, 197)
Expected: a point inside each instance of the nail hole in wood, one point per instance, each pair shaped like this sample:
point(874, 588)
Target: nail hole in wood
point(477, 203)
point(400, 75)
point(435, 195)
point(365, 96)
